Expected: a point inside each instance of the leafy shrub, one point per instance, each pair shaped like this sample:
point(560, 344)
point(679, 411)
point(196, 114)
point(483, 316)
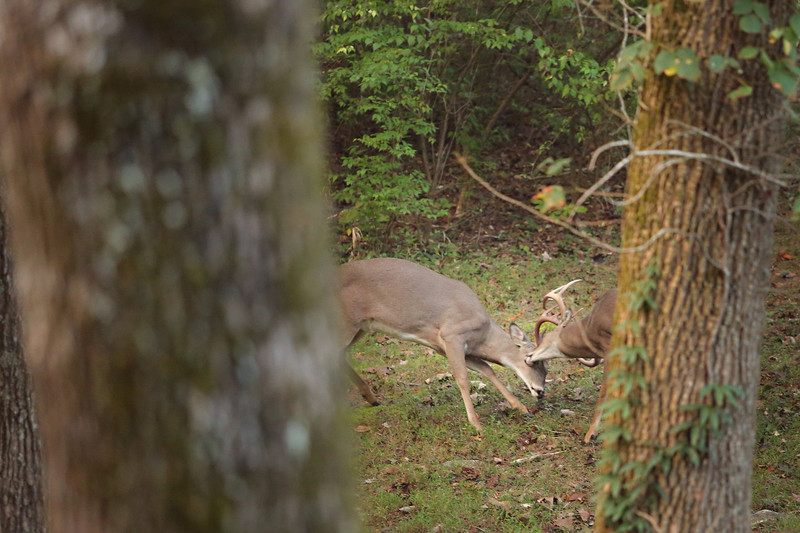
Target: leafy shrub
point(407, 81)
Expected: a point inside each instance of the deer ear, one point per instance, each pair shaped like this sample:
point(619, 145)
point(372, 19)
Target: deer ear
point(517, 334)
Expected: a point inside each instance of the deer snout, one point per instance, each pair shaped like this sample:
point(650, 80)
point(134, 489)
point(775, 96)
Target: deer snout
point(540, 394)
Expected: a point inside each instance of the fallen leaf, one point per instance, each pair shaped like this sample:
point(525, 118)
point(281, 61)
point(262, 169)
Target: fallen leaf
point(363, 429)
point(584, 514)
point(547, 501)
point(576, 496)
point(565, 522)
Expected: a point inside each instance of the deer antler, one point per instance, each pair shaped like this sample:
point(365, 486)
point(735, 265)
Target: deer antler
point(563, 315)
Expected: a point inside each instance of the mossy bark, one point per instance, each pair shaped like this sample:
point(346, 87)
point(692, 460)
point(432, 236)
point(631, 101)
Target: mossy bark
point(162, 169)
point(714, 270)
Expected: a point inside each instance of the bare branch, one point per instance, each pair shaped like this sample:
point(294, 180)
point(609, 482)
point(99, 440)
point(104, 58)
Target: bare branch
point(569, 227)
point(599, 183)
point(708, 135)
point(716, 159)
point(607, 146)
point(625, 30)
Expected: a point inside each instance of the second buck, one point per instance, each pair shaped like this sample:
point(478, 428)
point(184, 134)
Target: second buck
point(586, 340)
point(412, 302)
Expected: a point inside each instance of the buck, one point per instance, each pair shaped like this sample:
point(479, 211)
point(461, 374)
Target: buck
point(586, 340)
point(412, 302)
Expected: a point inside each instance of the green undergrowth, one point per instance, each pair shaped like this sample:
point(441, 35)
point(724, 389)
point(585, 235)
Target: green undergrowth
point(421, 467)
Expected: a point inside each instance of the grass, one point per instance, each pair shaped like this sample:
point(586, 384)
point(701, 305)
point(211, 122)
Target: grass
point(776, 467)
point(422, 468)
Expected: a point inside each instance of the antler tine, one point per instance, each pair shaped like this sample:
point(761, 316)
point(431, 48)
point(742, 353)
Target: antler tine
point(537, 334)
point(547, 315)
point(555, 295)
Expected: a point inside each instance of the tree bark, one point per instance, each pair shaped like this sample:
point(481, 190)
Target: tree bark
point(21, 505)
point(708, 276)
point(162, 167)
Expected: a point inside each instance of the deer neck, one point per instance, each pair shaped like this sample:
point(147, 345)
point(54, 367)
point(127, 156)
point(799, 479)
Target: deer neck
point(496, 346)
point(584, 339)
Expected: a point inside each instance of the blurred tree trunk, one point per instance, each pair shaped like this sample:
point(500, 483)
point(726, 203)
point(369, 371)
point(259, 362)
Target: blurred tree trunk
point(162, 171)
point(693, 300)
point(21, 506)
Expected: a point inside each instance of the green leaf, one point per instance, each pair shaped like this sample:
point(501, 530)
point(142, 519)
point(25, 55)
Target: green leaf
point(621, 79)
point(615, 405)
point(637, 71)
point(683, 426)
point(750, 23)
point(742, 7)
point(655, 9)
point(688, 67)
point(633, 51)
point(557, 166)
point(731, 62)
point(790, 47)
point(749, 52)
point(716, 63)
point(782, 79)
point(693, 456)
point(794, 22)
point(742, 92)
point(762, 11)
point(664, 62)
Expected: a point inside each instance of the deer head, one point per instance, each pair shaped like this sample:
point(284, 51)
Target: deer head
point(574, 340)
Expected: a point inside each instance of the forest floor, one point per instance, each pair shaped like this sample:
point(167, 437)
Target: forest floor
point(421, 468)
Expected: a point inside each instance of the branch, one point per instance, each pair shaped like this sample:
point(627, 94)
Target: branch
point(602, 181)
point(716, 159)
point(625, 30)
point(490, 125)
point(569, 227)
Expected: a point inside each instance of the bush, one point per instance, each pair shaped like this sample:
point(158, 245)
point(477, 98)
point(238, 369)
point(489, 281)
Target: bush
point(407, 81)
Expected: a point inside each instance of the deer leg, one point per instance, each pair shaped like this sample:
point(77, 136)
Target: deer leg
point(484, 368)
point(363, 387)
point(591, 434)
point(455, 355)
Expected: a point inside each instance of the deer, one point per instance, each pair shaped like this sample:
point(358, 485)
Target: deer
point(586, 340)
point(412, 302)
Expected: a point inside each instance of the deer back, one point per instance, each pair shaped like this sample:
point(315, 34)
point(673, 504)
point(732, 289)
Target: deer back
point(410, 301)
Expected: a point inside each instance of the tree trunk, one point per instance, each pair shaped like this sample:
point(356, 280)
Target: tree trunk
point(21, 506)
point(691, 307)
point(162, 166)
